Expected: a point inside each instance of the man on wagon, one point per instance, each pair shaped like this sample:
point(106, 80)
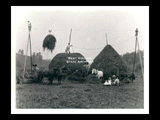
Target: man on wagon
point(35, 69)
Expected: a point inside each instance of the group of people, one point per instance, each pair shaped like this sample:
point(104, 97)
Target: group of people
point(112, 81)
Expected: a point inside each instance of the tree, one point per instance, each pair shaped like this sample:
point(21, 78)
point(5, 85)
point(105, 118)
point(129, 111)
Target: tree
point(39, 56)
point(20, 51)
point(138, 67)
point(129, 57)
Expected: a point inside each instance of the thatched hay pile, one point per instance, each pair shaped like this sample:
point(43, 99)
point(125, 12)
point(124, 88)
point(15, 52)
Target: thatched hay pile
point(110, 62)
point(49, 42)
point(72, 61)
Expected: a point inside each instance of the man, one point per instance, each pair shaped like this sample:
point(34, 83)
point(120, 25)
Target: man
point(35, 69)
point(113, 78)
point(116, 82)
point(68, 48)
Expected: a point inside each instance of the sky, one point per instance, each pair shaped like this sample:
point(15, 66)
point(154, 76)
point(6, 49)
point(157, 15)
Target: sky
point(91, 26)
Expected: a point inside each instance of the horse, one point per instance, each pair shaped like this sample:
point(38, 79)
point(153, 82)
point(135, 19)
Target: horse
point(131, 77)
point(98, 73)
point(51, 74)
point(127, 76)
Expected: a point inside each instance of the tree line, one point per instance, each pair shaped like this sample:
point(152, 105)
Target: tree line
point(35, 55)
point(129, 59)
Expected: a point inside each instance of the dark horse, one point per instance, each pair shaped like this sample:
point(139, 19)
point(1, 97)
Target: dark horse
point(51, 75)
point(130, 76)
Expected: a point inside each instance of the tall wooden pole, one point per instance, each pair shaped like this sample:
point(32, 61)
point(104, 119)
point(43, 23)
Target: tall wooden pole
point(30, 51)
point(70, 40)
point(140, 59)
point(25, 58)
point(106, 40)
point(135, 49)
point(70, 37)
point(29, 28)
point(29, 40)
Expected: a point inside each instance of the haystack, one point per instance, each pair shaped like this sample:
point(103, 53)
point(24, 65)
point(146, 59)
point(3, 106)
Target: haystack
point(72, 61)
point(110, 62)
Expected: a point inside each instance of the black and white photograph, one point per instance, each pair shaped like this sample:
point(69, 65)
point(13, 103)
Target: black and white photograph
point(79, 59)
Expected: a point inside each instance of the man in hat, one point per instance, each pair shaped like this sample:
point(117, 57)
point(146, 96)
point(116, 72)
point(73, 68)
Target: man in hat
point(116, 82)
point(113, 78)
point(68, 48)
point(35, 69)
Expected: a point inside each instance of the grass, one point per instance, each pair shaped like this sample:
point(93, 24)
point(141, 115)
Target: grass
point(82, 95)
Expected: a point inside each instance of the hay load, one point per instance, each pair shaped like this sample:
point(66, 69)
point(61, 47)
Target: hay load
point(110, 62)
point(73, 62)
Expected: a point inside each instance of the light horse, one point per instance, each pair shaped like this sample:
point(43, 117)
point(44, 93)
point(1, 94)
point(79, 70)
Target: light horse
point(98, 73)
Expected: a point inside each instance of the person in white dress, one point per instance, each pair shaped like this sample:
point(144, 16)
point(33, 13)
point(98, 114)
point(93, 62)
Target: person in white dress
point(108, 82)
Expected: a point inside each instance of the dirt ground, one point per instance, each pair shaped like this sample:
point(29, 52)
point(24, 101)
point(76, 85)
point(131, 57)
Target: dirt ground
point(80, 95)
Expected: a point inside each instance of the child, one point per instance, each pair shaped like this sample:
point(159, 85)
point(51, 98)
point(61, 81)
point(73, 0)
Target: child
point(108, 82)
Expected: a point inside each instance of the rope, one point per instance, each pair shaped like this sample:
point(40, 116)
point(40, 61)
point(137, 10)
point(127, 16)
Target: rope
point(88, 48)
point(103, 47)
point(123, 41)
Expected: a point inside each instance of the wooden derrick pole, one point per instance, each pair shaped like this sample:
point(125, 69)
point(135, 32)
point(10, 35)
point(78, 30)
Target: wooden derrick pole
point(30, 50)
point(70, 37)
point(25, 59)
point(137, 44)
point(29, 40)
point(135, 50)
point(106, 40)
point(140, 59)
point(68, 46)
point(70, 40)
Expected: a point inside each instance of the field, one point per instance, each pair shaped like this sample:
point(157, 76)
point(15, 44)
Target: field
point(80, 95)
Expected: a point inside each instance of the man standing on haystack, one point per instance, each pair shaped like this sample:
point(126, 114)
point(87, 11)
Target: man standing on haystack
point(68, 48)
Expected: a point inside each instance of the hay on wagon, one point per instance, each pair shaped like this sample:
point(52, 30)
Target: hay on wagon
point(72, 61)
